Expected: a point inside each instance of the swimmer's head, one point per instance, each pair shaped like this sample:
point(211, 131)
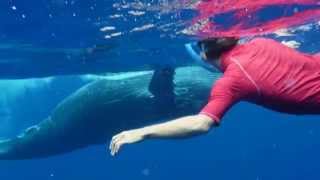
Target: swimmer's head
point(212, 48)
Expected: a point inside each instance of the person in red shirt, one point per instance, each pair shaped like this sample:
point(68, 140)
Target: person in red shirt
point(262, 71)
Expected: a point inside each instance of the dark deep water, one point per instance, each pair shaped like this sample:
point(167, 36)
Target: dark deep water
point(252, 143)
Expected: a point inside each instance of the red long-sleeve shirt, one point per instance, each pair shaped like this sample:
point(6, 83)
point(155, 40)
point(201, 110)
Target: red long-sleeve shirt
point(267, 73)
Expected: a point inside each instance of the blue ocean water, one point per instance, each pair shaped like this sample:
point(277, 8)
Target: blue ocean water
point(252, 143)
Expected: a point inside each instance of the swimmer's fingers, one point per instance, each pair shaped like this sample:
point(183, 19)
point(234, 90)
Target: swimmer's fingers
point(113, 140)
point(126, 137)
point(114, 145)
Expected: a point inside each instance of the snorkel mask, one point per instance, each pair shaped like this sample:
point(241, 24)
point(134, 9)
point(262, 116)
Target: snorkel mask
point(194, 51)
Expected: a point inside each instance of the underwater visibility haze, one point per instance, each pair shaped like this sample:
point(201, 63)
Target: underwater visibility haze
point(73, 73)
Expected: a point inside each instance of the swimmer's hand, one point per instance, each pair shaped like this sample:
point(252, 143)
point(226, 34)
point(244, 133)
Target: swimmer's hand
point(125, 137)
point(187, 126)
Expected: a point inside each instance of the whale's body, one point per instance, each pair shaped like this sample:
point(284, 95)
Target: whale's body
point(103, 108)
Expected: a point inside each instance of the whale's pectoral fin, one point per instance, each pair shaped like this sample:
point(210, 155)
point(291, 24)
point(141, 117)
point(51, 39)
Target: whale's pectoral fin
point(162, 86)
point(30, 130)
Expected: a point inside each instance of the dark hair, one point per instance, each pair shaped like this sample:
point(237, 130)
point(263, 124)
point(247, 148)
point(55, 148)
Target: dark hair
point(214, 47)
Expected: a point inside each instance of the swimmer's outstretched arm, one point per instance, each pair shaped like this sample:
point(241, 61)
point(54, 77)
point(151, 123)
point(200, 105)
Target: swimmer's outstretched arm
point(179, 128)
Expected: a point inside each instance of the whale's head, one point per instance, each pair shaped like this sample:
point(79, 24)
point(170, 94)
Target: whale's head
point(7, 149)
point(22, 146)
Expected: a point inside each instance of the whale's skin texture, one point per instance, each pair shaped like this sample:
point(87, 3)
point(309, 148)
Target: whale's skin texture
point(95, 112)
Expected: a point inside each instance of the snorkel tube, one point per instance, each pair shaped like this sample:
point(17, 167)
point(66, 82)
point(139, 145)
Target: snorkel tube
point(190, 47)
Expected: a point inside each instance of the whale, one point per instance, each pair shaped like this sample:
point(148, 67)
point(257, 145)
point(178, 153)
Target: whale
point(95, 112)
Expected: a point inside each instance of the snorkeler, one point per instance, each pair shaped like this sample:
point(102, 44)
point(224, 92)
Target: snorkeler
point(261, 71)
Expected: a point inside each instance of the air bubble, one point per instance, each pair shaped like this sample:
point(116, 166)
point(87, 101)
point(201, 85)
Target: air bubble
point(146, 172)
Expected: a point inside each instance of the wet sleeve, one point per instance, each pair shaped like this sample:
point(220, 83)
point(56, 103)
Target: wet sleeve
point(223, 95)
